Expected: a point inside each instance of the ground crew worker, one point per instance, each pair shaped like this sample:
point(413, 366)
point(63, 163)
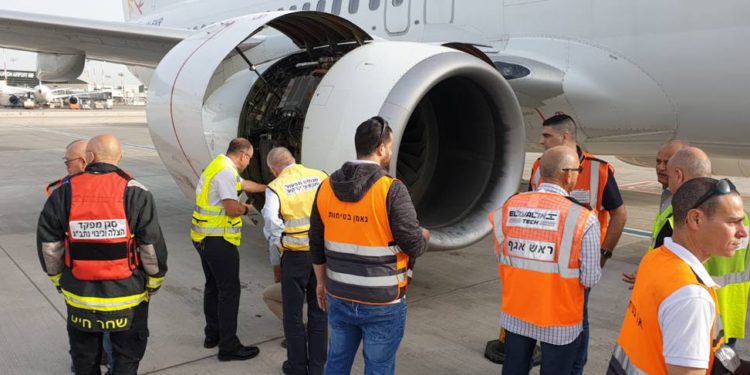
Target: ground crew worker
point(547, 245)
point(216, 231)
point(663, 223)
point(364, 237)
point(289, 200)
point(729, 272)
point(75, 162)
point(672, 323)
point(102, 247)
point(596, 188)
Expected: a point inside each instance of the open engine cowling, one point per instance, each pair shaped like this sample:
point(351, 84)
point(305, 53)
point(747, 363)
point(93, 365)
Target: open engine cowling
point(458, 130)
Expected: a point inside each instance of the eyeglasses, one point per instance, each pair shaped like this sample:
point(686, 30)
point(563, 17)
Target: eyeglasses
point(68, 161)
point(383, 126)
point(722, 187)
point(579, 169)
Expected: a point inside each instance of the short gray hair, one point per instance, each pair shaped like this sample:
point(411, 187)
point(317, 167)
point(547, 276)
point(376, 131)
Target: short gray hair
point(279, 158)
point(692, 161)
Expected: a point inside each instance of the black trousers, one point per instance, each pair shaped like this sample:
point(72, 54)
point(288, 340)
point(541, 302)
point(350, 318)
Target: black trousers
point(127, 346)
point(221, 294)
point(306, 353)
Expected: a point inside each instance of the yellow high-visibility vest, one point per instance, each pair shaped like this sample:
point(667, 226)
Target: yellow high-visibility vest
point(211, 220)
point(733, 274)
point(664, 218)
point(296, 187)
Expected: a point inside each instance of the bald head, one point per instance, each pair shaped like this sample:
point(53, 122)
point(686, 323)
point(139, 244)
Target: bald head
point(558, 166)
point(666, 151)
point(105, 148)
point(687, 164)
point(75, 156)
point(278, 159)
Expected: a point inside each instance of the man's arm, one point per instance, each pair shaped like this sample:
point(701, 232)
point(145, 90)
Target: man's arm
point(144, 223)
point(50, 235)
point(590, 254)
point(402, 216)
point(252, 187)
point(679, 370)
point(618, 215)
point(272, 229)
point(686, 316)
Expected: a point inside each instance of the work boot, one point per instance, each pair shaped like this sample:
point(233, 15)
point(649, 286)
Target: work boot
point(242, 353)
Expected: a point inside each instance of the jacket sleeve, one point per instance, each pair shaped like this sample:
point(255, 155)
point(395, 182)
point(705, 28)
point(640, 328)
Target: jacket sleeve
point(317, 242)
point(403, 220)
point(147, 233)
point(50, 234)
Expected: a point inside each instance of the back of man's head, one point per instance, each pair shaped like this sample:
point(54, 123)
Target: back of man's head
point(279, 158)
point(370, 134)
point(688, 195)
point(692, 161)
point(562, 123)
point(104, 148)
point(238, 145)
point(555, 160)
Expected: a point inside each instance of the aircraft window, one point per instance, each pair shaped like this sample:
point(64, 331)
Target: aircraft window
point(321, 7)
point(353, 6)
point(374, 4)
point(336, 7)
point(397, 3)
point(293, 7)
point(306, 6)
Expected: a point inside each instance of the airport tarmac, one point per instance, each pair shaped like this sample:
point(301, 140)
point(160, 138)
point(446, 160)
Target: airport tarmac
point(452, 302)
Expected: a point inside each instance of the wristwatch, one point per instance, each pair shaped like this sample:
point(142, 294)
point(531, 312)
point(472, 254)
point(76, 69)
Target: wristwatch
point(606, 253)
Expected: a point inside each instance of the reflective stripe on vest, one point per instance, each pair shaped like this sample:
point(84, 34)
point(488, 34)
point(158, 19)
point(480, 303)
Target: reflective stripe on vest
point(665, 217)
point(538, 243)
point(640, 343)
point(98, 244)
point(104, 304)
point(362, 263)
point(296, 187)
point(211, 220)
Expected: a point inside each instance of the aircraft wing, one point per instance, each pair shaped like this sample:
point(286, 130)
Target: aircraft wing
point(118, 42)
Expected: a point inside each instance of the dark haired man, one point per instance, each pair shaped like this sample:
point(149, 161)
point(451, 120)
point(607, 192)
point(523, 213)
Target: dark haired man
point(364, 237)
point(216, 231)
point(671, 325)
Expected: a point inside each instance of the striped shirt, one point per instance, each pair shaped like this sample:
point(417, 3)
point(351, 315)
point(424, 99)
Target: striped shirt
point(590, 274)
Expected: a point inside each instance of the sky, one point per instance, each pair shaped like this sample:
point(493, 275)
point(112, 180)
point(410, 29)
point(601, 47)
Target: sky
point(103, 10)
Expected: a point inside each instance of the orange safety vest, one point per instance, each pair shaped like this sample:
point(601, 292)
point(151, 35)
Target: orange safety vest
point(363, 263)
point(538, 246)
point(54, 185)
point(589, 188)
point(99, 244)
point(639, 348)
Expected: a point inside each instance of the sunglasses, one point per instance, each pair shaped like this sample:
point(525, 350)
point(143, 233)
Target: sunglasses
point(383, 126)
point(579, 169)
point(721, 187)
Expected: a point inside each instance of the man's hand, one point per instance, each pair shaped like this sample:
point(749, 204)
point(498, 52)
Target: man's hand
point(426, 234)
point(629, 278)
point(252, 186)
point(321, 292)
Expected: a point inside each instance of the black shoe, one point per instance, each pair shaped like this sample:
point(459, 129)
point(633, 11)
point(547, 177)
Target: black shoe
point(286, 368)
point(283, 343)
point(242, 353)
point(210, 343)
point(495, 352)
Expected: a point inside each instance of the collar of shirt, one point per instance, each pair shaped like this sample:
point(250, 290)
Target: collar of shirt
point(552, 188)
point(230, 162)
point(692, 261)
point(358, 161)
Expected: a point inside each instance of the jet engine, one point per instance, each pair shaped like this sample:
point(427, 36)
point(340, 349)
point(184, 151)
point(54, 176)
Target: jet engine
point(73, 100)
point(306, 80)
point(59, 67)
point(14, 101)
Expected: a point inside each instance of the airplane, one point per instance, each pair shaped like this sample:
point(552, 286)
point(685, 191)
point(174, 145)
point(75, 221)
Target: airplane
point(12, 96)
point(464, 84)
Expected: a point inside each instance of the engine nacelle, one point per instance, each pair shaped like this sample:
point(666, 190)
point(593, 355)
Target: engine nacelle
point(59, 67)
point(458, 130)
point(14, 101)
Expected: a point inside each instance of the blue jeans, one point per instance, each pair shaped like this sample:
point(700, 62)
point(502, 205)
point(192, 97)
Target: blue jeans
point(556, 359)
point(583, 354)
point(107, 345)
point(380, 327)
